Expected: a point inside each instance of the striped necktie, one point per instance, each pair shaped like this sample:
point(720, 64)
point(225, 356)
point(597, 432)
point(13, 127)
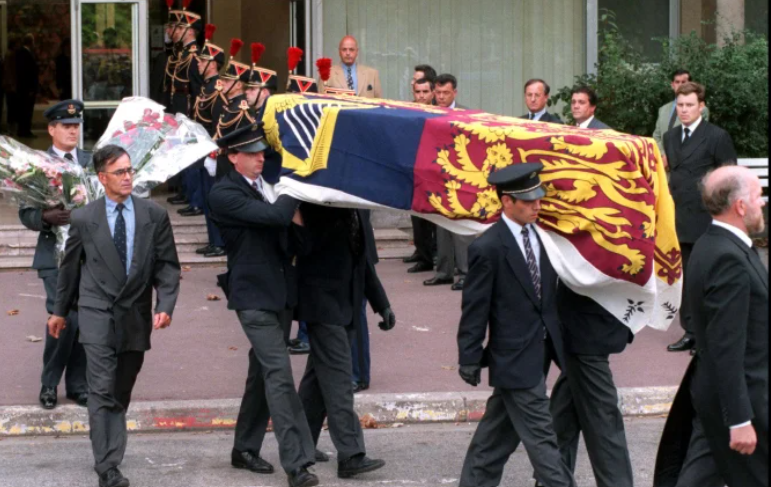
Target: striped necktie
point(532, 264)
point(350, 78)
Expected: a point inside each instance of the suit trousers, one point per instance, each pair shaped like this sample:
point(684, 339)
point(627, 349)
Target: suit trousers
point(26, 108)
point(685, 314)
point(424, 236)
point(452, 253)
point(326, 389)
point(513, 416)
point(212, 231)
point(699, 468)
point(270, 393)
point(63, 355)
point(585, 400)
point(360, 356)
point(111, 378)
point(193, 186)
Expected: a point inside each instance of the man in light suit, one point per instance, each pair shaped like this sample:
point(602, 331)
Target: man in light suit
point(536, 96)
point(717, 430)
point(119, 249)
point(668, 118)
point(350, 75)
point(692, 150)
point(583, 103)
point(63, 355)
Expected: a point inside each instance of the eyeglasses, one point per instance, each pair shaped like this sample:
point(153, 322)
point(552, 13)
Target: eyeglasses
point(122, 172)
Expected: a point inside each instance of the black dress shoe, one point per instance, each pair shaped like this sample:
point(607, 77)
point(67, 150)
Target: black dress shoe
point(539, 484)
point(360, 386)
point(203, 250)
point(683, 344)
point(302, 478)
point(113, 478)
point(357, 464)
point(320, 456)
point(177, 199)
point(411, 259)
point(191, 211)
point(693, 352)
point(245, 459)
point(420, 267)
point(81, 398)
point(48, 397)
point(458, 286)
point(436, 281)
point(215, 252)
point(299, 348)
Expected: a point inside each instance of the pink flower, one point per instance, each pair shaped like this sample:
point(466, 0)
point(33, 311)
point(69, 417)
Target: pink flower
point(125, 139)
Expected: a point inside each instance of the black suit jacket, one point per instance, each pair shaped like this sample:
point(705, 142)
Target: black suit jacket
point(707, 148)
point(27, 71)
point(498, 294)
point(597, 124)
point(333, 281)
point(261, 273)
point(546, 117)
point(727, 382)
point(116, 309)
point(588, 328)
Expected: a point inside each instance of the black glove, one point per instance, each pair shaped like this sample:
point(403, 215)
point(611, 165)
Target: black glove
point(56, 216)
point(471, 374)
point(389, 319)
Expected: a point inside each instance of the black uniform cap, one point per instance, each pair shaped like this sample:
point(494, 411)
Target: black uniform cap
point(245, 139)
point(67, 111)
point(520, 181)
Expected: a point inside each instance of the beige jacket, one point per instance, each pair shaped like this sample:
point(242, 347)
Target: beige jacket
point(368, 80)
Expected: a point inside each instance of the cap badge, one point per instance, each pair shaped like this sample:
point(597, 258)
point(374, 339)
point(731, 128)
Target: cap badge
point(71, 109)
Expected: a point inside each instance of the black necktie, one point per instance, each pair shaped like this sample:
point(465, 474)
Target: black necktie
point(119, 235)
point(532, 265)
point(350, 78)
point(687, 133)
point(69, 157)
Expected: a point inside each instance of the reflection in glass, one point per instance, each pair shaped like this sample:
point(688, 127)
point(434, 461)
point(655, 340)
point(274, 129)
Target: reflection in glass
point(95, 121)
point(107, 51)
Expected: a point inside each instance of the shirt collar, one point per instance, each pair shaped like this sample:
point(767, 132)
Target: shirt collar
point(353, 67)
point(112, 205)
point(61, 153)
point(515, 227)
point(586, 122)
point(251, 182)
point(539, 114)
point(742, 236)
point(452, 105)
point(693, 126)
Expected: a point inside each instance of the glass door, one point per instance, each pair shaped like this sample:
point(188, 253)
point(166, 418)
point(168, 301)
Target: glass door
point(110, 42)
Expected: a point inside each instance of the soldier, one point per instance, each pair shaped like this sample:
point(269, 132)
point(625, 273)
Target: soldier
point(63, 355)
point(208, 106)
point(175, 182)
point(262, 82)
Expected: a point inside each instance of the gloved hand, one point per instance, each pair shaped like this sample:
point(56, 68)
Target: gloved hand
point(471, 374)
point(389, 319)
point(210, 164)
point(56, 216)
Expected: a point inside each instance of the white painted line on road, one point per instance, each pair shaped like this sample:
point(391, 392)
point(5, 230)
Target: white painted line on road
point(31, 296)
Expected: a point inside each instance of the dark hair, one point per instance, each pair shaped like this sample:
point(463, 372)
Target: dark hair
point(445, 78)
point(586, 91)
point(691, 87)
point(421, 81)
point(106, 156)
point(533, 81)
point(429, 73)
point(681, 72)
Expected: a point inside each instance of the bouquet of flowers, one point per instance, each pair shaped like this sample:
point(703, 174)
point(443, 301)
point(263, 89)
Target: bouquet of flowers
point(160, 145)
point(38, 179)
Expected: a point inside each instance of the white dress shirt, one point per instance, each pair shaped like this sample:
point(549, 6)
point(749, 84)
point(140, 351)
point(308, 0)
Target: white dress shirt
point(691, 127)
point(60, 153)
point(537, 115)
point(585, 123)
point(265, 189)
point(516, 229)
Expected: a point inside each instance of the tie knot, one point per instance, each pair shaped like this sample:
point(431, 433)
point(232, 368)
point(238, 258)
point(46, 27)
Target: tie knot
point(525, 232)
point(69, 157)
point(687, 131)
point(120, 207)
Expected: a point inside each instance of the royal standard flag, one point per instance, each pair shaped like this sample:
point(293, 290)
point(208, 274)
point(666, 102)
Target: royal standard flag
point(607, 221)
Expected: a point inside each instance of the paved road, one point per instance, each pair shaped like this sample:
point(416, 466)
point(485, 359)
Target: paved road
point(427, 455)
point(203, 355)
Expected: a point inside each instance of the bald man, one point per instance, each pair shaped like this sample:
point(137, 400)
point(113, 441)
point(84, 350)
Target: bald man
point(351, 75)
point(717, 430)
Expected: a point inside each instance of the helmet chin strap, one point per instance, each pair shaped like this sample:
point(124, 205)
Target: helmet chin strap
point(180, 44)
point(254, 105)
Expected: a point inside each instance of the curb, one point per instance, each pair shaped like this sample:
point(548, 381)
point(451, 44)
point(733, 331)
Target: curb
point(157, 416)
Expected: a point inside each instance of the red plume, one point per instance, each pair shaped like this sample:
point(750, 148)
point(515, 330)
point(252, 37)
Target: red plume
point(186, 3)
point(209, 31)
point(170, 4)
point(257, 49)
point(325, 67)
point(293, 55)
point(235, 46)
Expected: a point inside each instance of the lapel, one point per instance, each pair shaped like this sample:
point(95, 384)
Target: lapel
point(695, 140)
point(548, 276)
point(517, 261)
point(240, 181)
point(361, 78)
point(143, 235)
point(103, 242)
point(757, 264)
point(752, 256)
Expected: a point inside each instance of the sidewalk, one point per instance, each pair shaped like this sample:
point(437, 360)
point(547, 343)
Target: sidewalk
point(194, 375)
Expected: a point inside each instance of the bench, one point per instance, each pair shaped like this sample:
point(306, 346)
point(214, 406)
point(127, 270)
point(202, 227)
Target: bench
point(760, 168)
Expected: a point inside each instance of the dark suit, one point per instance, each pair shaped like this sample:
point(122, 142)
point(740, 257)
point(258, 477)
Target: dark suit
point(708, 147)
point(546, 117)
point(334, 278)
point(63, 355)
point(499, 296)
point(260, 284)
point(584, 398)
point(727, 381)
point(597, 124)
point(157, 78)
point(27, 88)
point(424, 236)
point(116, 310)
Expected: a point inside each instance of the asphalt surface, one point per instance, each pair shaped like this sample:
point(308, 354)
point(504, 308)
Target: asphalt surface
point(418, 455)
point(203, 355)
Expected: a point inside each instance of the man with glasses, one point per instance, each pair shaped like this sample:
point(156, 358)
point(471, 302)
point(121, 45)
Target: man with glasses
point(62, 356)
point(119, 249)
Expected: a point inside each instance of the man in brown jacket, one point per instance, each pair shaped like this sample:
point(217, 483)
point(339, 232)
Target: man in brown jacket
point(350, 75)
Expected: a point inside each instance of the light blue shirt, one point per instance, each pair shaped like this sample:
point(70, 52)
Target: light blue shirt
point(516, 229)
point(537, 115)
point(129, 215)
point(353, 75)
